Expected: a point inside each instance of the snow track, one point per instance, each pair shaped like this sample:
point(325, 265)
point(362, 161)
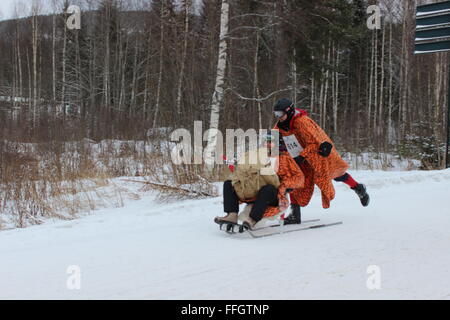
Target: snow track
point(175, 251)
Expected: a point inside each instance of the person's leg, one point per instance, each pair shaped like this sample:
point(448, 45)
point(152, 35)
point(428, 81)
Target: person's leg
point(347, 179)
point(230, 204)
point(359, 188)
point(230, 198)
point(267, 196)
point(295, 216)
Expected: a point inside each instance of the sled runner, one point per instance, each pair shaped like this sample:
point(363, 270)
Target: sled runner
point(287, 229)
point(266, 231)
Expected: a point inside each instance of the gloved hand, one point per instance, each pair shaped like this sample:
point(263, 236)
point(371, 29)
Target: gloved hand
point(325, 149)
point(299, 160)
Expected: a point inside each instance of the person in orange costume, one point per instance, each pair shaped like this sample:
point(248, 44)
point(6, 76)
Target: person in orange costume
point(318, 159)
point(270, 200)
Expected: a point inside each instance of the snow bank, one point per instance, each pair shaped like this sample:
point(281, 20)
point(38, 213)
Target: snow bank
point(380, 161)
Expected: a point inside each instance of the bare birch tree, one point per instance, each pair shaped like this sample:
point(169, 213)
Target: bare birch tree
point(35, 11)
point(217, 97)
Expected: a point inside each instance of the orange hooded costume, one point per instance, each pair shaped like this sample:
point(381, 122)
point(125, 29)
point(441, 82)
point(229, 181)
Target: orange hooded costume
point(318, 170)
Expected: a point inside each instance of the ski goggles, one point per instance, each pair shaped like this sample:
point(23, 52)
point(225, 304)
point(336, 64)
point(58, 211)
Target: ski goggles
point(279, 114)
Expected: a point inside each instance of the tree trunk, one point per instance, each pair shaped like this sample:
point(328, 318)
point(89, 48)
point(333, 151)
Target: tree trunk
point(255, 81)
point(336, 93)
point(54, 58)
point(34, 23)
point(294, 75)
point(391, 76)
point(106, 81)
point(147, 79)
point(381, 106)
point(30, 99)
point(187, 6)
point(161, 65)
point(325, 96)
point(369, 113)
point(312, 93)
point(63, 84)
point(375, 76)
point(134, 81)
point(219, 86)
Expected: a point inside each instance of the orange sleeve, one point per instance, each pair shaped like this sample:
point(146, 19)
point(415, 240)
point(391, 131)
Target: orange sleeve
point(291, 177)
point(310, 134)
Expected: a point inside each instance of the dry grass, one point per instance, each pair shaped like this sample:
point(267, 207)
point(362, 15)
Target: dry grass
point(39, 181)
point(60, 180)
point(177, 182)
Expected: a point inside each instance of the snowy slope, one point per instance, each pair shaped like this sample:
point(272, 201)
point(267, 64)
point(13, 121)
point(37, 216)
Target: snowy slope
point(174, 251)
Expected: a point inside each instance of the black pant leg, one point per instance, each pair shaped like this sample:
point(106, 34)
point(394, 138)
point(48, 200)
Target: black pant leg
point(267, 196)
point(342, 178)
point(230, 198)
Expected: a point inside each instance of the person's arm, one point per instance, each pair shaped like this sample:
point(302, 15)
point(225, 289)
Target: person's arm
point(310, 134)
point(291, 176)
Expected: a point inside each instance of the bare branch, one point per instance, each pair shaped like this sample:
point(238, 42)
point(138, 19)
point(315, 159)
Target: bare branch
point(258, 99)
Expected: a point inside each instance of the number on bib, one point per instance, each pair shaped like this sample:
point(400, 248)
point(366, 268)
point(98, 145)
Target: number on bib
point(293, 146)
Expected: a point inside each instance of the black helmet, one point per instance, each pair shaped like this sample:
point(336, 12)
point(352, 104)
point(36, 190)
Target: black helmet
point(283, 104)
point(282, 107)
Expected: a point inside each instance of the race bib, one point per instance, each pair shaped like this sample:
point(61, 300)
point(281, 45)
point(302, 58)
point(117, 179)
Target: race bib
point(293, 146)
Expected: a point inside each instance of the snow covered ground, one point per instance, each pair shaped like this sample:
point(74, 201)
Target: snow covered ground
point(174, 250)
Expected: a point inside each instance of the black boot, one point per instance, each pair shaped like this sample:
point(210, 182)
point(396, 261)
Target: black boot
point(295, 217)
point(246, 225)
point(360, 190)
